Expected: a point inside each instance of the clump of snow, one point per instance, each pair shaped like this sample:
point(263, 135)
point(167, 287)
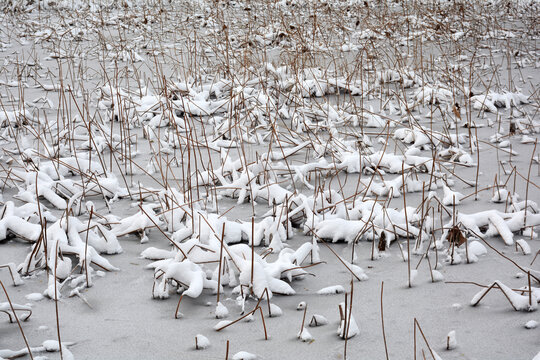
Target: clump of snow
point(304, 335)
point(318, 320)
point(500, 195)
point(451, 197)
point(451, 342)
point(518, 302)
point(476, 248)
point(51, 345)
point(412, 278)
point(348, 327)
point(437, 276)
point(221, 311)
point(275, 311)
point(221, 324)
point(244, 355)
point(523, 246)
point(12, 268)
point(34, 297)
point(331, 290)
point(531, 324)
point(201, 342)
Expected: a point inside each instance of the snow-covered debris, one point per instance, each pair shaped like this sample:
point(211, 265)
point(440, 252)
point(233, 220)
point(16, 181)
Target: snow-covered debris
point(348, 328)
point(34, 297)
point(451, 342)
point(518, 302)
point(335, 289)
point(451, 197)
point(185, 273)
point(275, 311)
point(12, 268)
point(201, 342)
point(304, 335)
point(318, 320)
point(244, 355)
point(221, 311)
point(531, 324)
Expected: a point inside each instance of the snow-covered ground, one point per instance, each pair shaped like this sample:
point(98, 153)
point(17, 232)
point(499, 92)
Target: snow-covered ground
point(269, 180)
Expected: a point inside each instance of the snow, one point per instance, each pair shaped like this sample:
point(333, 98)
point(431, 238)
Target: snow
point(185, 272)
point(348, 328)
point(502, 228)
point(275, 311)
point(267, 156)
point(244, 355)
point(451, 197)
point(34, 297)
point(519, 302)
point(201, 342)
point(477, 248)
point(451, 342)
point(318, 320)
point(411, 280)
point(531, 324)
point(437, 276)
point(524, 246)
point(329, 290)
point(304, 335)
point(221, 324)
point(13, 272)
point(221, 311)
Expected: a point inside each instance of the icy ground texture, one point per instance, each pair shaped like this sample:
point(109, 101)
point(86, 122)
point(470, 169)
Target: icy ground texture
point(170, 167)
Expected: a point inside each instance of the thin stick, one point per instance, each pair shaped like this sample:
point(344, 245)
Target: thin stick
point(530, 289)
point(348, 322)
point(333, 252)
point(178, 306)
point(382, 322)
point(56, 304)
point(264, 324)
point(527, 185)
point(303, 321)
point(252, 247)
point(86, 247)
point(168, 238)
point(220, 260)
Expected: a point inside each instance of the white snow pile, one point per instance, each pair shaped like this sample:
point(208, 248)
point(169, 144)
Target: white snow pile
point(531, 324)
point(451, 341)
point(495, 223)
point(189, 267)
point(201, 342)
point(46, 346)
point(244, 355)
point(54, 240)
point(518, 302)
point(348, 328)
point(492, 101)
point(304, 335)
point(318, 320)
point(336, 289)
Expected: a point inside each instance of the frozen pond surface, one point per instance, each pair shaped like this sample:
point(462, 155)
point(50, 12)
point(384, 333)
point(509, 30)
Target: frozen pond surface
point(153, 150)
